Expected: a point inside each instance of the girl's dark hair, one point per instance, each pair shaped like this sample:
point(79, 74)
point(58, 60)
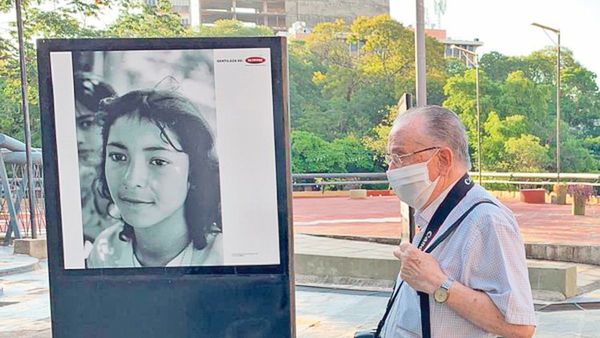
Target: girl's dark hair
point(169, 110)
point(90, 90)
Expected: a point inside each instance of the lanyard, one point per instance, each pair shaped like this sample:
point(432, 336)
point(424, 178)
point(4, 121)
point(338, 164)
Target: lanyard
point(456, 194)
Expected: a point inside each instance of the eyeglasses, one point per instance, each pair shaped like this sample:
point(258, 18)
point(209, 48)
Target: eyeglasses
point(398, 160)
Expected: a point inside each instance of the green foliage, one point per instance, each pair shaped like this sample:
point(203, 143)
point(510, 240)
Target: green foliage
point(581, 101)
point(518, 100)
point(497, 66)
point(460, 91)
point(358, 72)
point(233, 28)
point(60, 22)
point(455, 67)
point(592, 144)
point(508, 146)
point(305, 94)
point(377, 143)
point(526, 154)
point(312, 154)
point(139, 20)
point(356, 158)
point(575, 157)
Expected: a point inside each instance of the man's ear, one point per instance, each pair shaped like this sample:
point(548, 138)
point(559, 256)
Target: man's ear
point(446, 160)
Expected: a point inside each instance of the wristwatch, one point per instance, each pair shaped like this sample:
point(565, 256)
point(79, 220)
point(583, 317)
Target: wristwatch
point(441, 294)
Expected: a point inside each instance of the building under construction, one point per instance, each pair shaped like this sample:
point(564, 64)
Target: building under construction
point(260, 12)
point(277, 14)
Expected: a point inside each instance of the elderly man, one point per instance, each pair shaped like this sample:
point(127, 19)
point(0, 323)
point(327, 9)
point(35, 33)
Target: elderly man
point(465, 273)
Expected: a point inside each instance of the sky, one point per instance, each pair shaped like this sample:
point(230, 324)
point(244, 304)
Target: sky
point(505, 25)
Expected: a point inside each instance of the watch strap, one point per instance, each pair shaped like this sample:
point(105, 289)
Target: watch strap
point(447, 283)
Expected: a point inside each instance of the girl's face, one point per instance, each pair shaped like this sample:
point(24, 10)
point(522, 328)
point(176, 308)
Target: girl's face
point(147, 178)
point(89, 146)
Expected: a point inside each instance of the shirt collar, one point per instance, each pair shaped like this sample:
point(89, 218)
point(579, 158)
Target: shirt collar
point(423, 217)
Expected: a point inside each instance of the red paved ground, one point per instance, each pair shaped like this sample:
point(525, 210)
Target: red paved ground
point(539, 223)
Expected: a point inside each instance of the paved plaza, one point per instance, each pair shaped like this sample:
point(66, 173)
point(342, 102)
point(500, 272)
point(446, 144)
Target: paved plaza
point(320, 312)
point(336, 311)
point(379, 217)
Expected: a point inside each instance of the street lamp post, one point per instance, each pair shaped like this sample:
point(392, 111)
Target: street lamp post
point(476, 65)
point(557, 31)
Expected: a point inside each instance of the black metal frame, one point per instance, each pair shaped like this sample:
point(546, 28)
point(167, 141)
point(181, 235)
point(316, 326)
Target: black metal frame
point(98, 287)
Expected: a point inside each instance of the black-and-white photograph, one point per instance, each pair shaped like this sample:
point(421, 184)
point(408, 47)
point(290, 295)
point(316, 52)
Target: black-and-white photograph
point(165, 157)
point(166, 185)
point(148, 169)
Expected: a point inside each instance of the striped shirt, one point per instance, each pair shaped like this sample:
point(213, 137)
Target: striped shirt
point(485, 253)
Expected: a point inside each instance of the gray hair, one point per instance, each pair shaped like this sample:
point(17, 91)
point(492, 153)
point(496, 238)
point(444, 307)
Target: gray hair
point(442, 126)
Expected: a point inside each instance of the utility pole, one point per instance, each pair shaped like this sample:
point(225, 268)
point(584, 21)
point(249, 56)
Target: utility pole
point(421, 83)
point(27, 126)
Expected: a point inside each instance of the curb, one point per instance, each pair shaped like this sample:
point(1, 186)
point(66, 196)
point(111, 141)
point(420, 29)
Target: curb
point(20, 268)
point(582, 254)
point(571, 253)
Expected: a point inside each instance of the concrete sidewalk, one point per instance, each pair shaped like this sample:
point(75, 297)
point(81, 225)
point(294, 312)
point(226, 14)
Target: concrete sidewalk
point(320, 312)
point(11, 264)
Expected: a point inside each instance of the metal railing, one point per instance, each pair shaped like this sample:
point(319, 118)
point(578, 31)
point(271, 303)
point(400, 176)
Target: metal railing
point(510, 178)
point(15, 220)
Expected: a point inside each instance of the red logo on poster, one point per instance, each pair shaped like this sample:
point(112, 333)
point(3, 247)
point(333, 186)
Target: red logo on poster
point(255, 60)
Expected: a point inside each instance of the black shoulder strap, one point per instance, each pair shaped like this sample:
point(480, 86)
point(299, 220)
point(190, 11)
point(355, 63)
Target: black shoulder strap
point(423, 297)
point(455, 195)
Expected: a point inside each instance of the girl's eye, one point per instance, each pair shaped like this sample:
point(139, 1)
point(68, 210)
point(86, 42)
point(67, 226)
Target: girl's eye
point(158, 162)
point(117, 157)
point(85, 124)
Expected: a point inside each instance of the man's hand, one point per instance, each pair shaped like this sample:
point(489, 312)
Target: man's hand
point(419, 269)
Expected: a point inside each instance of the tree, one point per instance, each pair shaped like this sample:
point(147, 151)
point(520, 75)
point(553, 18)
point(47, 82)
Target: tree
point(377, 141)
point(140, 20)
point(460, 94)
point(305, 94)
point(361, 71)
point(233, 28)
point(521, 96)
point(580, 106)
point(575, 157)
point(497, 66)
point(508, 145)
point(526, 154)
point(312, 154)
point(61, 22)
point(356, 157)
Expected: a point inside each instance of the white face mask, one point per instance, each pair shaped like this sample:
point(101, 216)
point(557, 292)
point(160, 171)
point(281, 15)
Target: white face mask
point(412, 184)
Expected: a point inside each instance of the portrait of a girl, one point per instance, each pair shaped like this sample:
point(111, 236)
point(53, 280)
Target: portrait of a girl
point(161, 175)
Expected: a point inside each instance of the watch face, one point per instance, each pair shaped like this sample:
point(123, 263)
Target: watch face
point(440, 295)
